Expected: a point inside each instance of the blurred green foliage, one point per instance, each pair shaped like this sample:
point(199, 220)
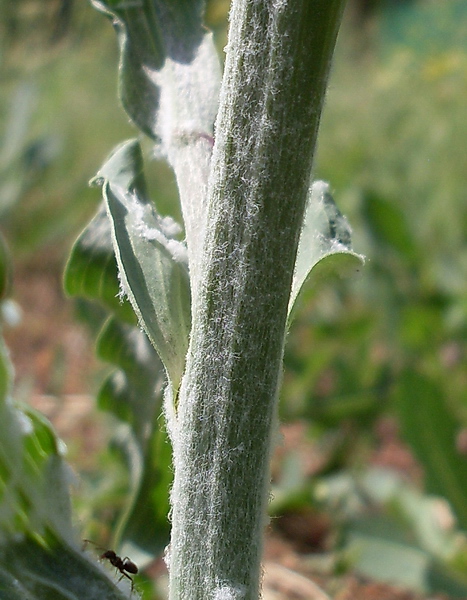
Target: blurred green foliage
point(392, 145)
point(394, 341)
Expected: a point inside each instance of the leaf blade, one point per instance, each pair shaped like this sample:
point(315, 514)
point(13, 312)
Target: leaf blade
point(39, 557)
point(134, 395)
point(152, 263)
point(431, 429)
point(91, 271)
point(325, 243)
point(169, 85)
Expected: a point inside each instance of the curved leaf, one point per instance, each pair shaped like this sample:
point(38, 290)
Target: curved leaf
point(39, 557)
point(169, 85)
point(91, 271)
point(152, 263)
point(143, 530)
point(325, 243)
point(395, 533)
point(168, 61)
point(134, 395)
point(430, 428)
point(41, 570)
point(140, 377)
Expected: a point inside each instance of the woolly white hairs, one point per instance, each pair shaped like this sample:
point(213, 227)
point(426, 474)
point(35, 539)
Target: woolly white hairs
point(165, 228)
point(123, 287)
point(188, 104)
point(230, 593)
point(271, 98)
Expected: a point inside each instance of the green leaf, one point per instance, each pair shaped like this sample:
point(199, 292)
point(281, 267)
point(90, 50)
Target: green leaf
point(5, 269)
point(142, 52)
point(325, 243)
point(39, 557)
point(34, 479)
point(169, 85)
point(47, 568)
point(394, 533)
point(134, 395)
point(91, 270)
point(15, 172)
point(152, 263)
point(382, 555)
point(143, 531)
point(430, 428)
point(387, 223)
point(168, 62)
point(384, 549)
point(451, 582)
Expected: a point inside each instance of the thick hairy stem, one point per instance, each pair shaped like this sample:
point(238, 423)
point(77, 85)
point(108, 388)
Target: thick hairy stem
point(277, 66)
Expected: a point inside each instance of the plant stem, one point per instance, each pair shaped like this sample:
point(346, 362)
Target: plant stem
point(277, 66)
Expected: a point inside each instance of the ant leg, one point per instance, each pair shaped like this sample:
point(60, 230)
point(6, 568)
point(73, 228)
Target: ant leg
point(122, 574)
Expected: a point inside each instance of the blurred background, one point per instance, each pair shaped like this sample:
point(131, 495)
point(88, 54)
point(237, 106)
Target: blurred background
point(374, 400)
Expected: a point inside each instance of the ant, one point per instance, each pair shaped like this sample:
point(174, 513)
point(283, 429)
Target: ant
point(121, 564)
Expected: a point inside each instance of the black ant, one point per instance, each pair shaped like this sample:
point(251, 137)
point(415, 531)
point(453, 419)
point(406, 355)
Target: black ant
point(121, 564)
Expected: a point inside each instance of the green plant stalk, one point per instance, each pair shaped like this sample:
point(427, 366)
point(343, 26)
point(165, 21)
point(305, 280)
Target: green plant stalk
point(278, 60)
